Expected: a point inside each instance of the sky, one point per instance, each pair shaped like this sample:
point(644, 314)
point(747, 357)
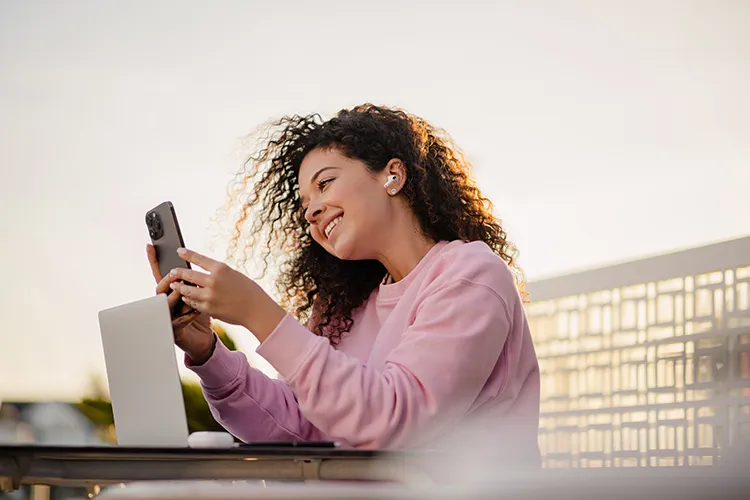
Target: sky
point(602, 132)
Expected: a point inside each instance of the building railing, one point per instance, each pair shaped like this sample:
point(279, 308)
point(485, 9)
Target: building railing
point(645, 363)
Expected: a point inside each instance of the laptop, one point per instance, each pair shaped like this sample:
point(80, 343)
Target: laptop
point(144, 380)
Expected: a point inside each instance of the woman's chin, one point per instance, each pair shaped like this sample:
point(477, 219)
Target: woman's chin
point(342, 249)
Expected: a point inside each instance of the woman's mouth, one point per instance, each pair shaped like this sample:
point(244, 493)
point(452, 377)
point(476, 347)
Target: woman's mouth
point(331, 225)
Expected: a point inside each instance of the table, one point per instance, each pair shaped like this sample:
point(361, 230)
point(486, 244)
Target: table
point(400, 474)
point(87, 465)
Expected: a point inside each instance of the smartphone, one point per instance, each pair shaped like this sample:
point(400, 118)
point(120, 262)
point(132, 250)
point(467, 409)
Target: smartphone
point(166, 237)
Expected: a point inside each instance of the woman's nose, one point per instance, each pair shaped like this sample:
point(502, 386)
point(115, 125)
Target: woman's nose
point(313, 213)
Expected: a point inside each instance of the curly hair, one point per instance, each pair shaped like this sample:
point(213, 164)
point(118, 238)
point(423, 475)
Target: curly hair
point(439, 189)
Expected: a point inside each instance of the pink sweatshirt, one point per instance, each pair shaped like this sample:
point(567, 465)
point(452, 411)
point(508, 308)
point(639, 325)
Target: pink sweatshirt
point(446, 347)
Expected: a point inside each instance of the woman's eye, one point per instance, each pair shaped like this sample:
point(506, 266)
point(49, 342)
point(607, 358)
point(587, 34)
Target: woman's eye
point(322, 184)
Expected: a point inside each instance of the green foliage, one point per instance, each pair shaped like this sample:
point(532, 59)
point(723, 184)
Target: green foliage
point(98, 411)
point(98, 408)
point(198, 414)
point(224, 336)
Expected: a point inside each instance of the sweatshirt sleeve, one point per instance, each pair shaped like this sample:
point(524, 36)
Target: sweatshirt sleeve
point(427, 384)
point(249, 404)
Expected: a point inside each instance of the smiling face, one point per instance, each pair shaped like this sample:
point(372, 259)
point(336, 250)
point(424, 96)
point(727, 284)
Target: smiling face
point(346, 204)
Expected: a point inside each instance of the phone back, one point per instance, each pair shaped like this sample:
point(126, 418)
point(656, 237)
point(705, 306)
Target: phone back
point(166, 237)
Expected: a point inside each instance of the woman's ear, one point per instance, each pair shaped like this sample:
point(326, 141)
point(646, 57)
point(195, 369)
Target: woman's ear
point(395, 167)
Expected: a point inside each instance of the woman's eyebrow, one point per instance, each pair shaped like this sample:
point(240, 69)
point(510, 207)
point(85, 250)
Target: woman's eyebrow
point(315, 176)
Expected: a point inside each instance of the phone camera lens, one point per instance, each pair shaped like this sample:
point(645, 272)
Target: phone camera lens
point(154, 226)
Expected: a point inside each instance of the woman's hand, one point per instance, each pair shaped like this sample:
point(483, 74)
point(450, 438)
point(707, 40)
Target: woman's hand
point(226, 294)
point(192, 330)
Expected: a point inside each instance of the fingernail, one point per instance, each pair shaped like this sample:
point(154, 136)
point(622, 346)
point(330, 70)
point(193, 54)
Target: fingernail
point(173, 272)
point(181, 251)
point(173, 286)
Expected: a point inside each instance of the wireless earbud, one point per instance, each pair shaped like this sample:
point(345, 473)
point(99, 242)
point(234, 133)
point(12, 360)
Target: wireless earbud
point(392, 179)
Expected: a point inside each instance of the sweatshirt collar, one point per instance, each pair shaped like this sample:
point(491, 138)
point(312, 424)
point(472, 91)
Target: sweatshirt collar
point(393, 291)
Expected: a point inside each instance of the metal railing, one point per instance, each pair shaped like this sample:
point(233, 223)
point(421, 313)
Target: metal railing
point(645, 363)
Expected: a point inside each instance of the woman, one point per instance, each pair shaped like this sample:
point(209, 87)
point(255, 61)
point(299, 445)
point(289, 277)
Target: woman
point(404, 280)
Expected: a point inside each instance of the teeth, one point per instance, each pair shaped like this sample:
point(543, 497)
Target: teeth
point(331, 225)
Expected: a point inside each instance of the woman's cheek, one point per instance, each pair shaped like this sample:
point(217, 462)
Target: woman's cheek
point(316, 234)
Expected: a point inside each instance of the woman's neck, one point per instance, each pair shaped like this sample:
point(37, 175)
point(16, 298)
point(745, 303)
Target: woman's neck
point(403, 252)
